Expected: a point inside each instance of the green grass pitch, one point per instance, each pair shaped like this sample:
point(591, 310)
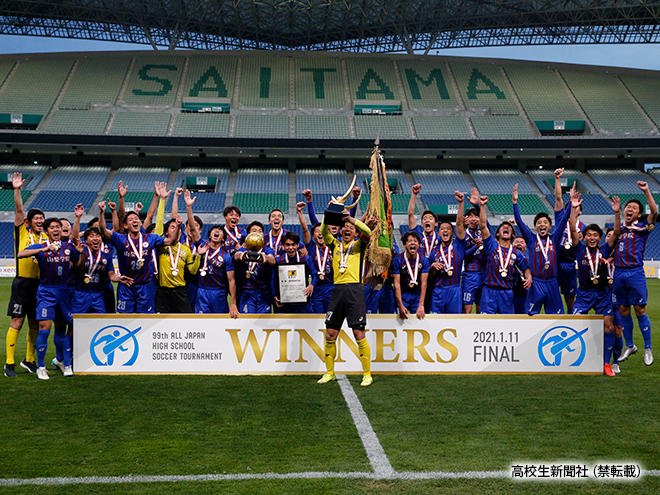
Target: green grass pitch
point(187, 425)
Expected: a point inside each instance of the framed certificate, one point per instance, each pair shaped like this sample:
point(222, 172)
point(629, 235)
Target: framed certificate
point(293, 280)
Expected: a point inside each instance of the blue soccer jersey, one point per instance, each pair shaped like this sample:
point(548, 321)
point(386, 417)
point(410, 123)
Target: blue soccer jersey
point(475, 260)
point(135, 255)
point(319, 262)
point(94, 277)
point(213, 269)
point(428, 242)
point(592, 269)
point(567, 251)
point(452, 257)
point(275, 241)
point(234, 239)
point(56, 267)
point(632, 244)
point(255, 276)
point(410, 283)
point(501, 260)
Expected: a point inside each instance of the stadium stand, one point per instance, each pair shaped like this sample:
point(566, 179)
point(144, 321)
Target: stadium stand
point(205, 203)
point(97, 80)
point(275, 126)
point(319, 83)
point(427, 84)
point(77, 178)
point(438, 199)
point(79, 122)
point(592, 204)
point(500, 126)
point(541, 177)
point(249, 180)
point(399, 203)
point(327, 180)
point(528, 204)
point(141, 124)
point(621, 181)
point(7, 199)
point(644, 91)
point(154, 81)
point(541, 93)
point(372, 79)
point(50, 201)
point(441, 181)
point(265, 82)
point(392, 173)
point(140, 178)
point(221, 173)
point(605, 102)
point(35, 85)
point(36, 171)
point(7, 232)
point(202, 125)
point(5, 69)
point(442, 126)
point(482, 86)
point(210, 77)
point(319, 200)
point(385, 126)
point(261, 202)
point(318, 126)
point(134, 197)
point(500, 182)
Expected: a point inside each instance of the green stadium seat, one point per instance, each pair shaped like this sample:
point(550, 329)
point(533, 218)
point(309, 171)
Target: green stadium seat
point(202, 124)
point(500, 126)
point(319, 83)
point(483, 86)
point(210, 77)
point(372, 79)
point(141, 124)
point(7, 199)
point(440, 127)
point(276, 126)
point(645, 91)
point(316, 126)
point(261, 202)
point(528, 204)
point(154, 81)
point(427, 84)
point(265, 82)
point(96, 80)
point(79, 122)
point(399, 203)
point(385, 126)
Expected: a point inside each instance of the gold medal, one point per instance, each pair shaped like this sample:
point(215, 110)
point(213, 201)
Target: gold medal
point(140, 263)
point(34, 260)
point(594, 281)
point(248, 274)
point(412, 284)
point(342, 269)
point(87, 279)
point(202, 273)
point(450, 272)
point(504, 273)
point(567, 246)
point(321, 276)
point(610, 281)
point(547, 265)
point(650, 226)
point(175, 272)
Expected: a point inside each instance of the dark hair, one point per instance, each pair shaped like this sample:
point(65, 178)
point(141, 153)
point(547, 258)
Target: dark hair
point(497, 232)
point(316, 225)
point(446, 222)
point(471, 211)
point(595, 227)
point(166, 227)
point(62, 219)
point(429, 212)
point(542, 215)
point(50, 220)
point(291, 236)
point(273, 211)
point(611, 229)
point(521, 237)
point(637, 202)
point(199, 221)
point(231, 208)
point(150, 228)
point(33, 212)
point(129, 213)
point(257, 223)
point(410, 233)
point(93, 221)
point(91, 230)
point(216, 226)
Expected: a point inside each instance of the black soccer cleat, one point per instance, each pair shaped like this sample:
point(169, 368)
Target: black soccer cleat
point(31, 366)
point(10, 372)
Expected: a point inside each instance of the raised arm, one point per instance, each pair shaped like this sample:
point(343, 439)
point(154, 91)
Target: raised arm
point(575, 207)
point(616, 207)
point(175, 201)
point(460, 224)
point(195, 234)
point(310, 207)
point(653, 215)
point(148, 220)
point(17, 182)
point(79, 211)
point(307, 237)
point(121, 207)
point(117, 226)
point(559, 202)
point(102, 227)
point(483, 221)
point(160, 216)
point(412, 221)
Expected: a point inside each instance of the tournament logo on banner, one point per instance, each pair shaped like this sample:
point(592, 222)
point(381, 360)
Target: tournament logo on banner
point(293, 344)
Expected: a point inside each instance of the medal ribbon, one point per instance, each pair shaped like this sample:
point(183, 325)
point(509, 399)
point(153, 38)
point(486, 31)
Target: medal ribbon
point(297, 258)
point(232, 236)
point(544, 249)
point(434, 240)
point(343, 260)
point(277, 242)
point(174, 263)
point(413, 277)
point(610, 271)
point(505, 263)
point(153, 257)
point(447, 260)
point(319, 263)
point(211, 257)
point(593, 265)
point(139, 253)
point(92, 267)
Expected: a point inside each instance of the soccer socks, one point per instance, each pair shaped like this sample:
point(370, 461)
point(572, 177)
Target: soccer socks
point(330, 355)
point(67, 347)
point(365, 355)
point(32, 336)
point(609, 346)
point(42, 346)
point(58, 340)
point(618, 347)
point(12, 339)
point(627, 325)
point(645, 327)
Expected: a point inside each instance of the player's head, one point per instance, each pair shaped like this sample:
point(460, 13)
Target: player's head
point(199, 225)
point(446, 232)
point(632, 211)
point(53, 228)
point(150, 229)
point(232, 215)
point(348, 232)
point(276, 219)
point(505, 232)
point(216, 234)
point(172, 229)
point(609, 234)
point(290, 241)
point(429, 221)
point(35, 219)
point(94, 222)
point(579, 208)
point(132, 222)
point(472, 217)
point(316, 234)
point(592, 235)
point(520, 243)
point(93, 238)
point(411, 241)
point(257, 227)
point(66, 228)
point(542, 223)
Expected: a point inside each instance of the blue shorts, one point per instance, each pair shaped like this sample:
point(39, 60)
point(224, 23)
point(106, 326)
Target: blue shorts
point(446, 300)
point(472, 284)
point(109, 297)
point(629, 286)
point(567, 278)
point(321, 298)
point(255, 301)
point(410, 301)
point(53, 302)
point(496, 301)
point(599, 301)
point(544, 293)
point(136, 298)
point(87, 302)
point(211, 301)
point(192, 289)
point(380, 301)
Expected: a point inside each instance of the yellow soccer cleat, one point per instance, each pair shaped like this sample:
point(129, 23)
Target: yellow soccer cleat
point(328, 377)
point(366, 381)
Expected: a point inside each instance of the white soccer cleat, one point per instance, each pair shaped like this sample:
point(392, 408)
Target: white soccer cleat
point(68, 371)
point(648, 357)
point(627, 352)
point(58, 364)
point(42, 374)
point(615, 368)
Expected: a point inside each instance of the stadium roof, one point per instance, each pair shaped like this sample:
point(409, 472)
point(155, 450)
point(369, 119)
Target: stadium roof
point(348, 25)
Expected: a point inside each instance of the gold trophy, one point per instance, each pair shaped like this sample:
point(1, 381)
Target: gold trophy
point(333, 214)
point(253, 243)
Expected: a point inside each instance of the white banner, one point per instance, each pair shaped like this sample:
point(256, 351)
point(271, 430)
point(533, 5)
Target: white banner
point(294, 344)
